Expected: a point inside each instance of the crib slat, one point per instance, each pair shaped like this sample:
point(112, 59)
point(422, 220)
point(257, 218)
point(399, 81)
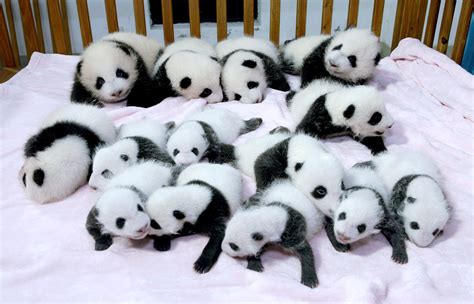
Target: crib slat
point(431, 23)
point(29, 29)
point(301, 8)
point(421, 15)
point(398, 24)
point(39, 27)
point(326, 21)
point(11, 26)
point(221, 20)
point(167, 15)
point(407, 10)
point(139, 12)
point(446, 23)
point(65, 25)
point(377, 16)
point(6, 50)
point(248, 17)
point(413, 20)
point(275, 21)
point(194, 19)
point(57, 29)
point(461, 32)
point(352, 13)
point(111, 13)
point(84, 22)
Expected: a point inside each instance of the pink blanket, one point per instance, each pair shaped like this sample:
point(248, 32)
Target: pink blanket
point(46, 254)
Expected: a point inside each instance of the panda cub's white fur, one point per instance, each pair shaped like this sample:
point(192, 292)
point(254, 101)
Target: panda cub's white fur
point(266, 218)
point(295, 51)
point(154, 130)
point(190, 141)
point(204, 198)
point(120, 209)
point(358, 110)
point(263, 46)
point(416, 193)
point(59, 155)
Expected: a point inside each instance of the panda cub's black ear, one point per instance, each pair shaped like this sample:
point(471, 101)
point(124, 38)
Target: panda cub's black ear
point(377, 59)
point(178, 214)
point(185, 82)
point(79, 68)
point(249, 63)
point(349, 112)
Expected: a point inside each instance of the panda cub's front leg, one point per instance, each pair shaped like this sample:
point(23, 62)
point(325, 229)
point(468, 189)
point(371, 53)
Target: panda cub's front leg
point(161, 243)
point(255, 263)
point(308, 271)
point(213, 249)
point(329, 227)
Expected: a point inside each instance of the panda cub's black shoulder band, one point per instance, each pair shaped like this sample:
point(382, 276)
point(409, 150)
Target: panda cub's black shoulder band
point(271, 164)
point(141, 195)
point(47, 136)
point(148, 150)
point(399, 192)
point(295, 229)
point(217, 152)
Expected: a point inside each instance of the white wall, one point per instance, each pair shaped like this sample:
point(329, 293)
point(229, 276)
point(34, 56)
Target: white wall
point(208, 30)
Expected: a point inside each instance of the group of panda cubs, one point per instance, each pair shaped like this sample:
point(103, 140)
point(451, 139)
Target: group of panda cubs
point(152, 184)
point(333, 99)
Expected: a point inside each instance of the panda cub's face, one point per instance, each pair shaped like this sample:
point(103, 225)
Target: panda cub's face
point(112, 160)
point(425, 211)
point(243, 78)
point(122, 213)
point(195, 75)
point(353, 54)
point(108, 71)
point(250, 229)
point(357, 216)
point(187, 144)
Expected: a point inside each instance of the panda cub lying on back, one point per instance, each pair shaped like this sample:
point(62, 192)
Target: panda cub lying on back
point(348, 57)
point(281, 214)
point(326, 109)
point(189, 68)
point(204, 198)
point(116, 68)
point(58, 158)
point(363, 212)
point(250, 65)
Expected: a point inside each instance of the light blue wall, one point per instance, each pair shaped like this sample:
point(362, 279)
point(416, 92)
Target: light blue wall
point(468, 57)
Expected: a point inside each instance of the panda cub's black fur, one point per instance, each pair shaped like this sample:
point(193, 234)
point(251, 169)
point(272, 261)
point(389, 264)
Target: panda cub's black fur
point(148, 150)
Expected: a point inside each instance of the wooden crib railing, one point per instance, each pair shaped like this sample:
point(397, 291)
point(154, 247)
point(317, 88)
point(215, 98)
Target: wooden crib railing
point(409, 22)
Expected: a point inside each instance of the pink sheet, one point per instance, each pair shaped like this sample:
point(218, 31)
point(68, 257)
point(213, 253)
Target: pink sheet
point(46, 254)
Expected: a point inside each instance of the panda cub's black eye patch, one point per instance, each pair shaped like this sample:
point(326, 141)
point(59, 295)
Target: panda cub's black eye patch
point(99, 83)
point(120, 222)
point(435, 232)
point(106, 173)
point(155, 225)
point(38, 177)
point(178, 214)
point(249, 63)
point(319, 192)
point(124, 157)
point(24, 179)
point(195, 151)
point(375, 119)
point(252, 84)
point(361, 228)
point(337, 47)
point(140, 208)
point(175, 152)
point(411, 200)
point(185, 82)
point(414, 226)
point(257, 236)
point(298, 166)
point(349, 112)
point(206, 92)
point(121, 74)
point(237, 97)
point(342, 216)
point(353, 60)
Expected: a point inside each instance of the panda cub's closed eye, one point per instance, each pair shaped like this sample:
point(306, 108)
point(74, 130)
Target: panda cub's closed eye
point(124, 157)
point(38, 177)
point(375, 119)
point(349, 112)
point(298, 166)
point(257, 236)
point(195, 151)
point(337, 47)
point(237, 97)
point(435, 232)
point(185, 82)
point(120, 222)
point(342, 216)
point(99, 83)
point(353, 60)
point(361, 228)
point(414, 226)
point(175, 152)
point(411, 200)
point(24, 179)
point(155, 225)
point(178, 215)
point(252, 84)
point(319, 192)
point(106, 173)
point(140, 208)
point(121, 74)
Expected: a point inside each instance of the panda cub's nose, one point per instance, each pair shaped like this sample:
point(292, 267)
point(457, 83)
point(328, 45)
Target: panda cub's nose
point(234, 247)
point(206, 92)
point(117, 93)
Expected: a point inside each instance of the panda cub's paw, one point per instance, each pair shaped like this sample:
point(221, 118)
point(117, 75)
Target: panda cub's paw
point(203, 265)
point(103, 243)
point(310, 281)
point(255, 264)
point(400, 257)
point(162, 243)
point(342, 247)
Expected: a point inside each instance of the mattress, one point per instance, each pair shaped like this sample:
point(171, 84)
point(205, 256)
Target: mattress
point(46, 254)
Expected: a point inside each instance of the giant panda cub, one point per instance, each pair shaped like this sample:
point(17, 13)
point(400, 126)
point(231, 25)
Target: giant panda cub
point(417, 198)
point(208, 134)
point(363, 212)
point(326, 109)
point(316, 172)
point(58, 157)
point(280, 214)
point(348, 57)
point(250, 65)
point(204, 198)
point(138, 141)
point(120, 211)
point(190, 69)
point(116, 68)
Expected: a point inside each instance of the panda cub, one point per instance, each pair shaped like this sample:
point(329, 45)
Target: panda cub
point(208, 134)
point(417, 198)
point(250, 65)
point(120, 209)
point(58, 157)
point(204, 198)
point(190, 69)
point(139, 141)
point(281, 214)
point(348, 57)
point(363, 212)
point(116, 68)
point(325, 109)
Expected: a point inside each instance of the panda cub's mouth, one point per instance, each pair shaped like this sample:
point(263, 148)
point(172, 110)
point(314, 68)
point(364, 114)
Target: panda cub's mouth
point(118, 99)
point(379, 132)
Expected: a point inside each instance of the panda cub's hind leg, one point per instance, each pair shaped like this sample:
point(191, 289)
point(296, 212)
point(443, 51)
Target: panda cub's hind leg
point(251, 125)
